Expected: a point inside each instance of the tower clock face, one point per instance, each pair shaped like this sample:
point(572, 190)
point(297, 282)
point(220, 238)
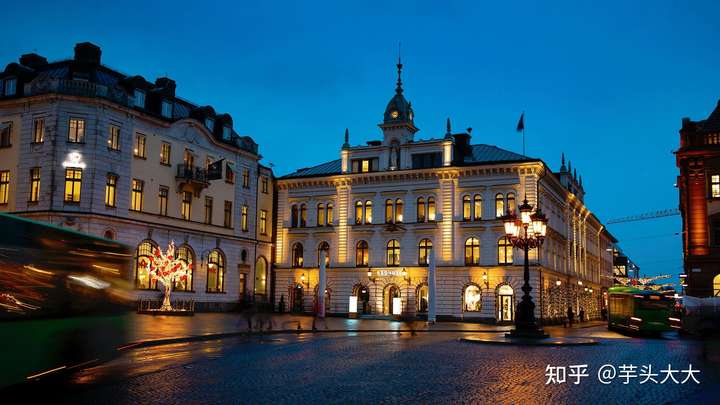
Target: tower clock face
point(394, 114)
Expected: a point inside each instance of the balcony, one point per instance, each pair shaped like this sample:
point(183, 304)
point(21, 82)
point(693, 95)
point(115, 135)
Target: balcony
point(192, 176)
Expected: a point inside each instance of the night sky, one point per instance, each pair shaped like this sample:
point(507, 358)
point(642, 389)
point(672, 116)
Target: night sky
point(606, 83)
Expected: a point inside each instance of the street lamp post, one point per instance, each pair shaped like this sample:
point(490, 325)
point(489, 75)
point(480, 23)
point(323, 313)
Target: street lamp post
point(526, 232)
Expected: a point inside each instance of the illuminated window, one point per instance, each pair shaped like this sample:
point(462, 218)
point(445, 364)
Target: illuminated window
point(113, 137)
point(294, 216)
point(263, 222)
point(511, 202)
point(477, 207)
point(715, 185)
point(321, 214)
point(34, 185)
point(76, 131)
point(361, 254)
point(39, 131)
point(6, 134)
point(393, 253)
point(163, 200)
point(208, 209)
point(358, 212)
point(329, 216)
point(324, 247)
point(73, 183)
point(167, 108)
point(388, 211)
point(215, 272)
point(261, 276)
point(303, 215)
point(431, 209)
point(505, 251)
point(297, 255)
point(227, 216)
point(139, 98)
point(364, 165)
point(139, 150)
point(244, 218)
point(368, 212)
point(165, 153)
point(398, 211)
point(424, 249)
point(472, 298)
point(4, 186)
point(467, 208)
point(422, 298)
point(186, 205)
point(421, 209)
point(136, 197)
point(185, 254)
point(143, 257)
point(111, 189)
point(472, 252)
point(716, 286)
point(188, 159)
point(246, 178)
point(499, 206)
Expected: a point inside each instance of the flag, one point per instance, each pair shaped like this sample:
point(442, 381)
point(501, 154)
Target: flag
point(521, 123)
point(214, 170)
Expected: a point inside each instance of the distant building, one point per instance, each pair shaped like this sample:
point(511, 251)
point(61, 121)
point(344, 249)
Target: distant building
point(381, 208)
point(86, 147)
point(623, 268)
point(698, 159)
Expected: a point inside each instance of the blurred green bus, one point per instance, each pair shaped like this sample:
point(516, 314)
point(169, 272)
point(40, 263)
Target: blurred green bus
point(636, 310)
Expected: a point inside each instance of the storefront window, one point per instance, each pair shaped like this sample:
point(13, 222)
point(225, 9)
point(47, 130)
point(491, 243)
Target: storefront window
point(472, 298)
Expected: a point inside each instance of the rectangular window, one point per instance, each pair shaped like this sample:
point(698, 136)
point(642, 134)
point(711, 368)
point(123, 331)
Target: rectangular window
point(364, 165)
point(4, 186)
point(264, 183)
point(39, 130)
point(229, 174)
point(246, 178)
point(226, 133)
point(139, 98)
point(228, 214)
point(715, 185)
point(210, 124)
point(73, 184)
point(139, 150)
point(163, 200)
point(244, 217)
point(111, 189)
point(34, 185)
point(76, 131)
point(426, 160)
point(136, 197)
point(166, 109)
point(114, 138)
point(10, 85)
point(208, 209)
point(263, 222)
point(186, 207)
point(6, 134)
point(165, 153)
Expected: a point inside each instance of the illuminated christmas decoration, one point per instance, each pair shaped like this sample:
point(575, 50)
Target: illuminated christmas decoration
point(167, 269)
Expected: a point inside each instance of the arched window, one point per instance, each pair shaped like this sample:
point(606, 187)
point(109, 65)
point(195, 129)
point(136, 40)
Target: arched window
point(472, 298)
point(294, 216)
point(321, 214)
point(324, 247)
point(477, 205)
point(398, 211)
point(329, 218)
point(499, 205)
point(109, 234)
point(261, 276)
point(303, 215)
point(506, 304)
point(358, 212)
point(143, 255)
point(424, 248)
point(361, 254)
point(393, 253)
point(431, 209)
point(297, 255)
point(511, 202)
point(216, 271)
point(388, 211)
point(185, 254)
point(422, 294)
point(421, 209)
point(466, 208)
point(505, 251)
point(472, 251)
point(716, 286)
point(368, 212)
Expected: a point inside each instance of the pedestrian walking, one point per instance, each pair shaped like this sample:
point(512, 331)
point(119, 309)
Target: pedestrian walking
point(582, 315)
point(603, 314)
point(570, 316)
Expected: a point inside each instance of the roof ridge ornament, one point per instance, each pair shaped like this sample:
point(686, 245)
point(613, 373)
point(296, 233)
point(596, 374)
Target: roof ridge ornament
point(399, 89)
point(347, 139)
point(448, 134)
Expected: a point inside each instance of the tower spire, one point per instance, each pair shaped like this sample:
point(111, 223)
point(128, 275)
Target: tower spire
point(399, 65)
point(562, 164)
point(448, 133)
point(347, 139)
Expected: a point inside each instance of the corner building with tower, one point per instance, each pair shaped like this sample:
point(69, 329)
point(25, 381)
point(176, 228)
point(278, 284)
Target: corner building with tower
point(381, 208)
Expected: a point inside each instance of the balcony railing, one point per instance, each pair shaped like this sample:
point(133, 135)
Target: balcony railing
point(77, 88)
point(190, 173)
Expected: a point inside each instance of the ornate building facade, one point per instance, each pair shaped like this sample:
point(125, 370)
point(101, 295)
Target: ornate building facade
point(86, 147)
point(381, 208)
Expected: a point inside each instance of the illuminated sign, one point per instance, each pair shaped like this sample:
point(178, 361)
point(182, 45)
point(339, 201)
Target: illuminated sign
point(389, 273)
point(353, 305)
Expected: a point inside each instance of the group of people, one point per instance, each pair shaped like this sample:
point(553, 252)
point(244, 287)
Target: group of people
point(571, 316)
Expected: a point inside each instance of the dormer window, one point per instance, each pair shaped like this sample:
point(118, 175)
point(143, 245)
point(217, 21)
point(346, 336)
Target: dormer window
point(226, 133)
point(10, 85)
point(364, 165)
point(210, 124)
point(139, 98)
point(166, 109)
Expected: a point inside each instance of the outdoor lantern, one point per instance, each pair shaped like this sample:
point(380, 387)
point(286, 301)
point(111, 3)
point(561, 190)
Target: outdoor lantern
point(511, 227)
point(558, 283)
point(590, 290)
point(579, 282)
point(539, 223)
point(525, 210)
point(586, 289)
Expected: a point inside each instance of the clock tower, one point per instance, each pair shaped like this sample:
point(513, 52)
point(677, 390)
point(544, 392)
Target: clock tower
point(398, 126)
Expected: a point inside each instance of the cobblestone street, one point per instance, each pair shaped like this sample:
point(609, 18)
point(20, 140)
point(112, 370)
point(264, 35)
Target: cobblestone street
point(390, 368)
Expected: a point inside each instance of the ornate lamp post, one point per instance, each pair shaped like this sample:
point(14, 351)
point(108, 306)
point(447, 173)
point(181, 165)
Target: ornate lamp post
point(526, 232)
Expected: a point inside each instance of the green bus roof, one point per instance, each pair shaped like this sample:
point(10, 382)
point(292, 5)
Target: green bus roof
point(632, 290)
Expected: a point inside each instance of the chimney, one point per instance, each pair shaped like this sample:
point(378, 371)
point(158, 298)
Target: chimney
point(166, 84)
point(32, 60)
point(85, 52)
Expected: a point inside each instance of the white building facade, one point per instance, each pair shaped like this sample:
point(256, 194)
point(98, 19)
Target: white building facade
point(382, 207)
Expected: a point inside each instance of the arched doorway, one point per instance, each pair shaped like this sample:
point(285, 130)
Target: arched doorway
point(423, 298)
point(297, 298)
point(506, 303)
point(389, 302)
point(363, 296)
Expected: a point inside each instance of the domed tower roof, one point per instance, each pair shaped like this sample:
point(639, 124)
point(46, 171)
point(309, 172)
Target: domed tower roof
point(399, 111)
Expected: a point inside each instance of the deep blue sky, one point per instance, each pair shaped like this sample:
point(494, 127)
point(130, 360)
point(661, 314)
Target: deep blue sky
point(605, 83)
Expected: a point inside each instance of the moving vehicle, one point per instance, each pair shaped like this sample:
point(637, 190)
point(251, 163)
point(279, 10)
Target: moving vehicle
point(643, 311)
point(63, 298)
point(701, 316)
